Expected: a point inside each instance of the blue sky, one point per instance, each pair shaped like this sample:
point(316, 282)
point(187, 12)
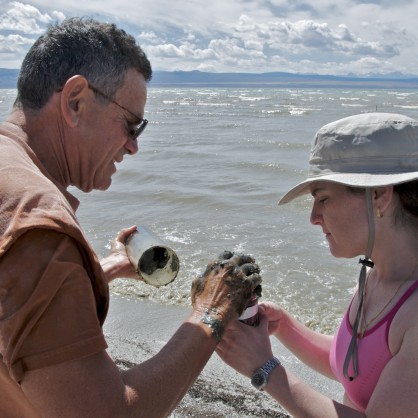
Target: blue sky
point(336, 37)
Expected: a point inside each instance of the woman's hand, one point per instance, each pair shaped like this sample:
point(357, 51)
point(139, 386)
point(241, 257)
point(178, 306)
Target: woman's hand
point(244, 347)
point(274, 315)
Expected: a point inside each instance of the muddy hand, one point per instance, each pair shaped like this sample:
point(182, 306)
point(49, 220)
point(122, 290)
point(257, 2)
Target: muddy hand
point(224, 289)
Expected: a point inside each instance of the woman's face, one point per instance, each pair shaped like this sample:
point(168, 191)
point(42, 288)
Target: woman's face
point(342, 215)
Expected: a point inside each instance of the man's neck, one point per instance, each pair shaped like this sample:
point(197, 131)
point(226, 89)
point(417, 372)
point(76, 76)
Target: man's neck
point(42, 133)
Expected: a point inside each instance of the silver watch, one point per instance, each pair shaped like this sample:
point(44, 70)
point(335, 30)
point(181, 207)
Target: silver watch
point(261, 375)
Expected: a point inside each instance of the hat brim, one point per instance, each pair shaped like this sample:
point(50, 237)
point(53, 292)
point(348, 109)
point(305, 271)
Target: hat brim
point(349, 179)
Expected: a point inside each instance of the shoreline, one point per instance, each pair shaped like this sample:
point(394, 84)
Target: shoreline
point(135, 330)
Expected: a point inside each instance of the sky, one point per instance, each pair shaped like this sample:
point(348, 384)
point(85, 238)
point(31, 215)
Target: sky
point(332, 37)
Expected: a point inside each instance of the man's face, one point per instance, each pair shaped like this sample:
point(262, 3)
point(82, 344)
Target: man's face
point(107, 135)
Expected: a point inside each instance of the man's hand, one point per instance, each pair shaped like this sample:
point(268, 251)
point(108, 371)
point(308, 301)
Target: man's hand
point(117, 263)
point(224, 289)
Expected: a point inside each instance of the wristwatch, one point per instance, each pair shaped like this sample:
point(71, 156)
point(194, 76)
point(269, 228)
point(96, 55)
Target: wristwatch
point(261, 375)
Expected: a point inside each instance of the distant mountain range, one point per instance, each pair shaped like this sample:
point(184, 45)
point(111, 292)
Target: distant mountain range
point(8, 79)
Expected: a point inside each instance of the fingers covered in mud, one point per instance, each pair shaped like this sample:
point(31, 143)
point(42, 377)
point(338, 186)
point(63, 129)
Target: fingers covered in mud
point(237, 258)
point(226, 286)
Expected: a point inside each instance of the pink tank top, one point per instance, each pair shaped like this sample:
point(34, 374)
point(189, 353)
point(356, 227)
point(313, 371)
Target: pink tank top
point(373, 354)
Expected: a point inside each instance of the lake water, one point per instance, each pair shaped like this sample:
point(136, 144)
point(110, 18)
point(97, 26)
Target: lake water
point(210, 169)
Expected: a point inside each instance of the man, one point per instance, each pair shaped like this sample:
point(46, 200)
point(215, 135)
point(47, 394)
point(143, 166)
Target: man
point(79, 111)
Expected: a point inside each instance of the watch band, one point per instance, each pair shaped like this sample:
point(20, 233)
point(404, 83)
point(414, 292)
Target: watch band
point(269, 365)
point(260, 376)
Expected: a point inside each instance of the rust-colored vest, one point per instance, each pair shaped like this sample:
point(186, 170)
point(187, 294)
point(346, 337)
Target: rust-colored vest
point(30, 199)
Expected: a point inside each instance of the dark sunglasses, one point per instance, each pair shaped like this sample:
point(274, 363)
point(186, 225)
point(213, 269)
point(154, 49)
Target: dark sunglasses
point(143, 122)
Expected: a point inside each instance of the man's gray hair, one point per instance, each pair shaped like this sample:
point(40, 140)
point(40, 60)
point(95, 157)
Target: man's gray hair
point(101, 52)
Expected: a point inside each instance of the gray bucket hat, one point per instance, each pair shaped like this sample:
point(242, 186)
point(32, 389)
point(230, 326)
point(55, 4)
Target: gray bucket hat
point(365, 150)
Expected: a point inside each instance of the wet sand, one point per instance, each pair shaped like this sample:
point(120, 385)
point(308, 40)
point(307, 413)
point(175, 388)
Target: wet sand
point(136, 330)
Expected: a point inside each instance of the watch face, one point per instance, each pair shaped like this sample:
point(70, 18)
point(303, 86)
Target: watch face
point(258, 380)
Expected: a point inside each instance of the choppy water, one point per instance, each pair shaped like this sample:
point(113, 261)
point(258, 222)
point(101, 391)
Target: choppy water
point(211, 167)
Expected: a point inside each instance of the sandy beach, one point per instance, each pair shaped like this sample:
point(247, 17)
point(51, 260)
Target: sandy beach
point(136, 330)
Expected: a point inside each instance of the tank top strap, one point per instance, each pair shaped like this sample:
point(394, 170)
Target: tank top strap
point(401, 301)
point(389, 316)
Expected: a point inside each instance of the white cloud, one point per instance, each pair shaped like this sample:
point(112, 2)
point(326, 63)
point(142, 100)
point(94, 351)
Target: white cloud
point(262, 46)
point(14, 43)
point(149, 37)
point(26, 18)
point(184, 51)
point(244, 35)
point(307, 37)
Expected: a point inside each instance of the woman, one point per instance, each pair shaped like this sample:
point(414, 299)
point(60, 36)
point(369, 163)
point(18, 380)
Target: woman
point(363, 177)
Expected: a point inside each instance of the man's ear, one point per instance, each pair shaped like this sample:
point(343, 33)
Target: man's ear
point(74, 97)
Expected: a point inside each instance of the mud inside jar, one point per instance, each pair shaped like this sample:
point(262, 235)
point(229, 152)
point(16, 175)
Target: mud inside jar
point(153, 259)
point(158, 266)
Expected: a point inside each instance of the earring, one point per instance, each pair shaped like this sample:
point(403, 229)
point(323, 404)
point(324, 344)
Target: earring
point(379, 213)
